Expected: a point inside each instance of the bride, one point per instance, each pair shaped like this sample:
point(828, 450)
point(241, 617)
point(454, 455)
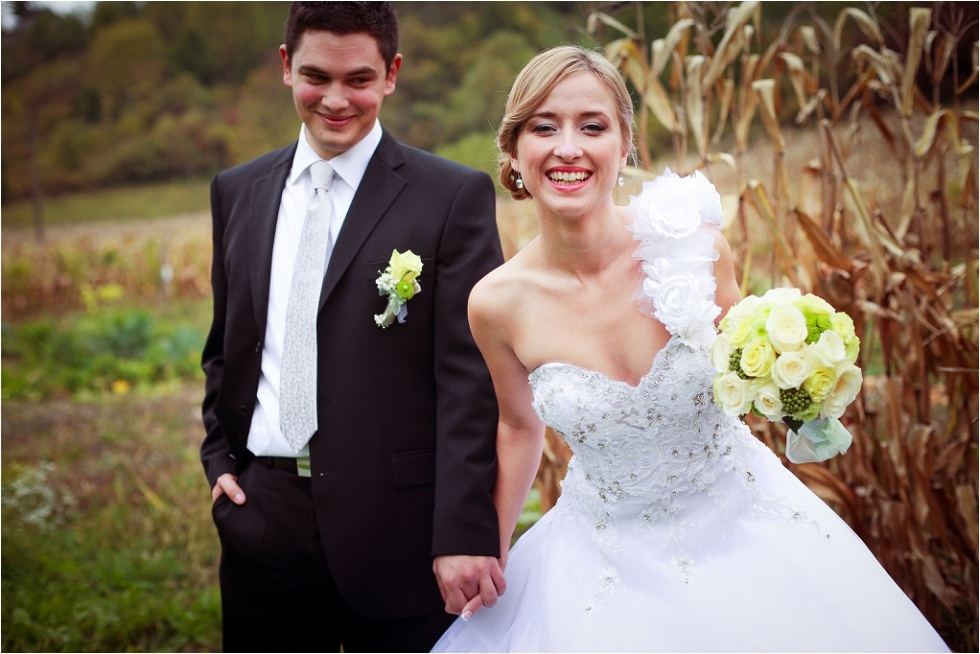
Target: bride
point(676, 529)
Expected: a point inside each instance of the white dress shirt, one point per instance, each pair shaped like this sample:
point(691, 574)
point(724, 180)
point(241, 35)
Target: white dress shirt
point(265, 435)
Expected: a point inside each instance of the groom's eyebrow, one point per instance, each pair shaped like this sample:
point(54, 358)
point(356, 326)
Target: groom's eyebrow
point(364, 71)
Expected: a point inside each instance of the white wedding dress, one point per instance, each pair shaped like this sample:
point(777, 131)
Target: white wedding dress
point(677, 530)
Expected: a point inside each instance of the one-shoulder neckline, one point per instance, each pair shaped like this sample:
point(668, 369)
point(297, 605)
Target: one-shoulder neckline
point(604, 376)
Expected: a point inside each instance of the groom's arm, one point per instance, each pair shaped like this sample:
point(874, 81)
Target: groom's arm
point(215, 450)
point(465, 521)
point(465, 540)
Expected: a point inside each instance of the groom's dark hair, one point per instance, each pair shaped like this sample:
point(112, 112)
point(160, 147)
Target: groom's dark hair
point(377, 19)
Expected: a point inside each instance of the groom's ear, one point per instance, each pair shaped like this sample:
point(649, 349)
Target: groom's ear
point(392, 75)
point(287, 72)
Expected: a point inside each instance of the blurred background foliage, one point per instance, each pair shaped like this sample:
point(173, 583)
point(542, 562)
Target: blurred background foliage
point(840, 173)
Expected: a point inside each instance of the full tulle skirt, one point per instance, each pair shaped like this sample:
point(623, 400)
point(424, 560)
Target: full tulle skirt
point(726, 574)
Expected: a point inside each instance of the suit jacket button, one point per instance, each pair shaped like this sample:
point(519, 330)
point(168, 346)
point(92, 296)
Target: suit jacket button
point(258, 346)
point(243, 409)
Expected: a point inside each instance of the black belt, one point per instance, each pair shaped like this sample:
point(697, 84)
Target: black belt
point(286, 463)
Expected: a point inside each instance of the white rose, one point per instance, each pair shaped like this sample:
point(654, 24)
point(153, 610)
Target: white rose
point(786, 328)
point(848, 385)
point(767, 402)
point(827, 352)
point(782, 295)
point(790, 370)
point(721, 353)
point(733, 394)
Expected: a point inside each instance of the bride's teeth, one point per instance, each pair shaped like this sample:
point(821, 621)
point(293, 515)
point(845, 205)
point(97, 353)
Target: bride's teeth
point(568, 177)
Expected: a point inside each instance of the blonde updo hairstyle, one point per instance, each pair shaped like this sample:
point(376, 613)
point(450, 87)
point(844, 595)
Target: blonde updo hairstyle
point(535, 82)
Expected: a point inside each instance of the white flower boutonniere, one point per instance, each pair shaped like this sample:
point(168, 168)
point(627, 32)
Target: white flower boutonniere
point(399, 282)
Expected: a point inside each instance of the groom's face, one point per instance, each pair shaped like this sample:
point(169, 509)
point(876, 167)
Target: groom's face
point(339, 82)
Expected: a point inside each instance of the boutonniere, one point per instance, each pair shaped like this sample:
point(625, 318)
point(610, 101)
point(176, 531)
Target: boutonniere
point(399, 282)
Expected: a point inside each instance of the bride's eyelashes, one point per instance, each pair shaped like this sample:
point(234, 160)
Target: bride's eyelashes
point(545, 129)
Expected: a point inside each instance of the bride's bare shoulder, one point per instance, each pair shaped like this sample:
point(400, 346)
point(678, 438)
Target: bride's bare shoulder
point(506, 288)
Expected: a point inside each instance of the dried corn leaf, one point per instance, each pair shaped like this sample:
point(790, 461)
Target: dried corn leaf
point(883, 65)
point(867, 25)
point(759, 199)
point(668, 44)
point(694, 104)
point(731, 43)
point(765, 89)
point(822, 246)
point(919, 19)
point(924, 143)
point(747, 103)
point(727, 94)
point(659, 102)
point(597, 17)
point(809, 35)
point(797, 76)
point(966, 502)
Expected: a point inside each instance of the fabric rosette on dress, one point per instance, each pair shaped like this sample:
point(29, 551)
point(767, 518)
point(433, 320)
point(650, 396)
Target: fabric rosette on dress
point(678, 255)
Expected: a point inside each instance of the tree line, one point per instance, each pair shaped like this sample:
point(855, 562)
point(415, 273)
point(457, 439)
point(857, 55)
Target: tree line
point(137, 92)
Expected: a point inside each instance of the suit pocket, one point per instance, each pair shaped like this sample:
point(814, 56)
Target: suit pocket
point(414, 468)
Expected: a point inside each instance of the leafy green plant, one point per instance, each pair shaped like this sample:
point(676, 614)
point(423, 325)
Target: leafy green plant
point(106, 349)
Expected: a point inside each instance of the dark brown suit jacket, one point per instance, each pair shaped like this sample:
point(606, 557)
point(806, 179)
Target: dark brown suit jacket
point(404, 459)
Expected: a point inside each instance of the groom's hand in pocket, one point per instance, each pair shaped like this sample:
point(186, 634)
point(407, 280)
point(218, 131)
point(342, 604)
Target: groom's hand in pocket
point(468, 582)
point(227, 484)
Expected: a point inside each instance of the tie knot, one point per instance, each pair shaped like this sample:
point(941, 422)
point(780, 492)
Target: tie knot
point(322, 175)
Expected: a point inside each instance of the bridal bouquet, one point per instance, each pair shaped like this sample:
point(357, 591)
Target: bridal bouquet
point(790, 357)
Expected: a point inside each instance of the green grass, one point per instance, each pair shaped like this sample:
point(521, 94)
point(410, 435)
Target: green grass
point(116, 204)
point(107, 540)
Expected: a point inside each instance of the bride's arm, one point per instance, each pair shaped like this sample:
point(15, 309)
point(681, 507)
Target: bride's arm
point(727, 292)
point(520, 433)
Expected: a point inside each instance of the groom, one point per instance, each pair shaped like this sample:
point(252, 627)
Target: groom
point(351, 465)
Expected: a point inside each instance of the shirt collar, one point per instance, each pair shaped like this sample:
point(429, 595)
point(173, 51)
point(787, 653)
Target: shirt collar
point(349, 166)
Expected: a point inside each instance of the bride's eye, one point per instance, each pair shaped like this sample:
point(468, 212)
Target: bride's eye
point(595, 128)
point(542, 128)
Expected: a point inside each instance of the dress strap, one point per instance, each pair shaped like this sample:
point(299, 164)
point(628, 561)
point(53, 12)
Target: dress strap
point(678, 254)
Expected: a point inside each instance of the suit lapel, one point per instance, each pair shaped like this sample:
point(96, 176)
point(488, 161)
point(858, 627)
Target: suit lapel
point(264, 202)
point(378, 189)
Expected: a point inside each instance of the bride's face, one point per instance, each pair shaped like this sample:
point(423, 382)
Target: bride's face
point(570, 151)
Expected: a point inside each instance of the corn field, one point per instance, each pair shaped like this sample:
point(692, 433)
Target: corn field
point(894, 244)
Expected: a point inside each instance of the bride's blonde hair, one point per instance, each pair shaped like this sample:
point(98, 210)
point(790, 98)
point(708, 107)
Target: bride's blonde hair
point(535, 82)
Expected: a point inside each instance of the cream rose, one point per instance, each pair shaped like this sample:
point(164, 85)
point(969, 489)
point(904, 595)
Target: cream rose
point(767, 402)
point(819, 384)
point(782, 295)
point(790, 370)
point(846, 388)
point(757, 358)
point(733, 394)
point(827, 352)
point(721, 353)
point(786, 328)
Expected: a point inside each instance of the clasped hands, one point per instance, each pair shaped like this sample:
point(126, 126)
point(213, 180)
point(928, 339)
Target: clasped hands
point(468, 583)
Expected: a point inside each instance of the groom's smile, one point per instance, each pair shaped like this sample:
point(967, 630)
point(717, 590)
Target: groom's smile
point(339, 82)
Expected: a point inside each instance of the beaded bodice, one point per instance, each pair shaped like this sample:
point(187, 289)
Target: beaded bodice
point(639, 450)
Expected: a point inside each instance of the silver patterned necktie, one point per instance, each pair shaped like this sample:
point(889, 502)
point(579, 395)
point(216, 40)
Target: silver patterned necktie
point(298, 378)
